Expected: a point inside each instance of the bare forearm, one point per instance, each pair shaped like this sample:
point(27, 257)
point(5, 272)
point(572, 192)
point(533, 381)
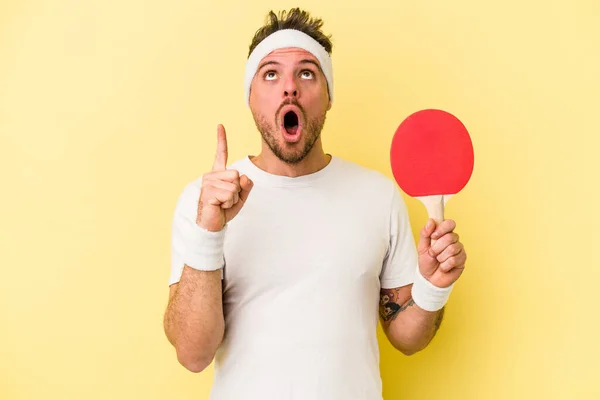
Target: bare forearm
point(194, 318)
point(409, 328)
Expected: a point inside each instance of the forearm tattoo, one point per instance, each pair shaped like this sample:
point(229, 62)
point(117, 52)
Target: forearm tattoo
point(389, 308)
point(388, 304)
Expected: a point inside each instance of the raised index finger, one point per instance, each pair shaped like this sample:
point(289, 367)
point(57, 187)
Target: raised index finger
point(221, 156)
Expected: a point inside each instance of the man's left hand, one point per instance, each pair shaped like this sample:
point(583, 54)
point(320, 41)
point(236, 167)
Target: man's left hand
point(442, 262)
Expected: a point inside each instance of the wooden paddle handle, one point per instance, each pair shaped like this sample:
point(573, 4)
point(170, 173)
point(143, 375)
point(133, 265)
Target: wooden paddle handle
point(435, 208)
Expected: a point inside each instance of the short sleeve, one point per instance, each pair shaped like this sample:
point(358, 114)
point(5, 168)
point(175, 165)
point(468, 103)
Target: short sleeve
point(401, 260)
point(186, 211)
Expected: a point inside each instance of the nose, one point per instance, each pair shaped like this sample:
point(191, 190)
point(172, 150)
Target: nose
point(290, 88)
point(291, 93)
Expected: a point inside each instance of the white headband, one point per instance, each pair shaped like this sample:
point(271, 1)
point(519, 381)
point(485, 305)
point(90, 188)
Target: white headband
point(282, 39)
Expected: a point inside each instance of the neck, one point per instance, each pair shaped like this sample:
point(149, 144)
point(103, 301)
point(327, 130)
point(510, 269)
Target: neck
point(314, 161)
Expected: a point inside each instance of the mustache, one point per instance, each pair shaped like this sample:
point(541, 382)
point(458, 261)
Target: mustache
point(288, 102)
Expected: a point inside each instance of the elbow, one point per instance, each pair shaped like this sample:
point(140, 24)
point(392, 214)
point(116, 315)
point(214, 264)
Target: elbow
point(195, 357)
point(194, 363)
point(409, 351)
point(405, 350)
point(195, 366)
point(409, 348)
point(408, 345)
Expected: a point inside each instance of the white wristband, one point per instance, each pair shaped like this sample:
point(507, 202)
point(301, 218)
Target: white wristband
point(204, 249)
point(428, 296)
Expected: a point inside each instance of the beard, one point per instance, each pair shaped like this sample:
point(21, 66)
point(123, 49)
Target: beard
point(291, 153)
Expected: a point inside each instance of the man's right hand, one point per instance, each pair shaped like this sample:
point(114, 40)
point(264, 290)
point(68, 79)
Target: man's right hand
point(223, 191)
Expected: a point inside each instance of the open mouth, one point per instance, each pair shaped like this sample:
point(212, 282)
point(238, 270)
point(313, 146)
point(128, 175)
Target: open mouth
point(290, 122)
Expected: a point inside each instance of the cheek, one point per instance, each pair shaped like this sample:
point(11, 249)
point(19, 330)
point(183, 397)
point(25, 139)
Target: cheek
point(320, 102)
point(320, 97)
point(263, 100)
point(260, 91)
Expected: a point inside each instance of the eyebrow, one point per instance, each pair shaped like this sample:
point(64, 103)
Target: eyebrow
point(261, 66)
point(273, 62)
point(311, 62)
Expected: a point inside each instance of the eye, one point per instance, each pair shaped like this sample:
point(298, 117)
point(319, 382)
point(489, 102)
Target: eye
point(270, 75)
point(307, 74)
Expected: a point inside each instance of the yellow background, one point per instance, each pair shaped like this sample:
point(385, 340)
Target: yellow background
point(108, 108)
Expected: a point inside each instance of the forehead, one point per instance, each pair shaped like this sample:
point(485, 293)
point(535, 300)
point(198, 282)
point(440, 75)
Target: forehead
point(289, 55)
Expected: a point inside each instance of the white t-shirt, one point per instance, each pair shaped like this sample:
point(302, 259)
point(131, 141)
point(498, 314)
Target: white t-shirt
point(305, 260)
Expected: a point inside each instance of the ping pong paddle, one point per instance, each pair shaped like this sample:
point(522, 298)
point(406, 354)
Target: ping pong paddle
point(432, 158)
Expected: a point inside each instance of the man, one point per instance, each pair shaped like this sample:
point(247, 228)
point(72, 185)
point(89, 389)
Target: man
point(281, 261)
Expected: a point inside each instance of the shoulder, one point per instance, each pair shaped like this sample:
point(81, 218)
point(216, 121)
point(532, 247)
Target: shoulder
point(367, 178)
point(371, 186)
